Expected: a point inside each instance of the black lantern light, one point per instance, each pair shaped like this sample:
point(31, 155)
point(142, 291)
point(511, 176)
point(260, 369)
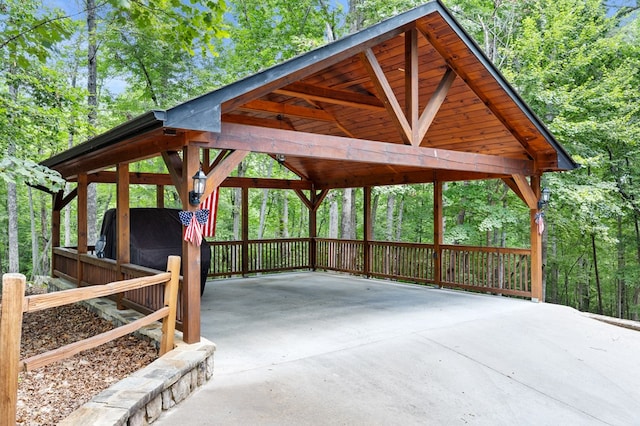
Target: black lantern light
point(199, 183)
point(544, 198)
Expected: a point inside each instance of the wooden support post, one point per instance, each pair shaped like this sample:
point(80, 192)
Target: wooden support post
point(122, 217)
point(82, 222)
point(537, 292)
point(437, 232)
point(190, 253)
point(160, 196)
point(13, 288)
point(367, 231)
point(55, 226)
point(123, 224)
point(245, 231)
point(313, 230)
point(170, 301)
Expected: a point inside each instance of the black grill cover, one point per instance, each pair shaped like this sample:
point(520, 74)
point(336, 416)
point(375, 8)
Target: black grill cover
point(155, 235)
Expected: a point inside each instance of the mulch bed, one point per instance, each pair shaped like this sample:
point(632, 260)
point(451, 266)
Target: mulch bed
point(49, 394)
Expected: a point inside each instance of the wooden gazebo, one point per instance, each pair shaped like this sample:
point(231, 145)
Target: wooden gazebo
point(410, 100)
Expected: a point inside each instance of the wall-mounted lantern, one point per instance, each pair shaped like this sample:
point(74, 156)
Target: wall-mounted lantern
point(545, 195)
point(199, 184)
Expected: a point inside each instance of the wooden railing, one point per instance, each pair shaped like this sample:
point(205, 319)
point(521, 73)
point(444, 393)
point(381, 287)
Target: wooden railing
point(402, 261)
point(488, 269)
point(15, 304)
point(491, 269)
point(340, 255)
point(98, 271)
point(262, 256)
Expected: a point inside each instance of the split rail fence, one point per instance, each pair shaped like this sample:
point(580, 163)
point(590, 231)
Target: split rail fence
point(15, 304)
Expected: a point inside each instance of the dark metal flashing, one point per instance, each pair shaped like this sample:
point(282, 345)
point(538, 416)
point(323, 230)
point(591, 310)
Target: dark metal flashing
point(139, 125)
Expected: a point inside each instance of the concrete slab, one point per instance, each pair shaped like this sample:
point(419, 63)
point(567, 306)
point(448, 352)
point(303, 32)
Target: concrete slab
point(318, 348)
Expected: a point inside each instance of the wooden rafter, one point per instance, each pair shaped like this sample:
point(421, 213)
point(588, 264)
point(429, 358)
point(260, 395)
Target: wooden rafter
point(256, 121)
point(288, 110)
point(331, 96)
point(385, 92)
point(236, 136)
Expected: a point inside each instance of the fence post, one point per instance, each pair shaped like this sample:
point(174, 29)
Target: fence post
point(13, 288)
point(170, 300)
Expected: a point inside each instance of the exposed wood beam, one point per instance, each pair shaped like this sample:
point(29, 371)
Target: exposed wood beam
point(67, 199)
point(207, 166)
point(174, 164)
point(256, 121)
point(303, 197)
point(412, 97)
point(320, 198)
point(265, 183)
point(331, 96)
point(290, 167)
point(508, 180)
point(426, 176)
point(288, 110)
point(385, 92)
point(236, 136)
point(216, 176)
point(530, 198)
point(446, 54)
point(432, 108)
point(146, 145)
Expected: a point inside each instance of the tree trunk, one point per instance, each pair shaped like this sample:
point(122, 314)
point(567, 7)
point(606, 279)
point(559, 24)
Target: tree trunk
point(35, 249)
point(399, 221)
point(391, 203)
point(348, 229)
point(284, 219)
point(237, 203)
point(621, 277)
point(333, 214)
point(374, 210)
point(12, 198)
point(595, 265)
point(92, 101)
point(263, 205)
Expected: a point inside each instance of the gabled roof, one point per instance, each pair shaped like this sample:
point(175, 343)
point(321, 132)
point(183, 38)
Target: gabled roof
point(416, 83)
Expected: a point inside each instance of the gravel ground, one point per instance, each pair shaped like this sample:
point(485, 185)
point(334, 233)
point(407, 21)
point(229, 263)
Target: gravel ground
point(49, 394)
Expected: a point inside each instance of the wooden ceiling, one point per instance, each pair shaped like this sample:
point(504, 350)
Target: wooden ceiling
point(412, 99)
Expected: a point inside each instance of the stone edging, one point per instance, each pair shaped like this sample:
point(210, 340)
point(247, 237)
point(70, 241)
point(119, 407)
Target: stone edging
point(140, 398)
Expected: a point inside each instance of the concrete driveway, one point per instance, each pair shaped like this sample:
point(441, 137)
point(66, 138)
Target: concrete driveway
point(326, 349)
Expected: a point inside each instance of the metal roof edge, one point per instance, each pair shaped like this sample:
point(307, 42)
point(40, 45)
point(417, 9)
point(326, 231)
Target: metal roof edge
point(140, 124)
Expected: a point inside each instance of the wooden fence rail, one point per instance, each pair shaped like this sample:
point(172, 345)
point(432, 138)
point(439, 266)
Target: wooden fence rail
point(15, 304)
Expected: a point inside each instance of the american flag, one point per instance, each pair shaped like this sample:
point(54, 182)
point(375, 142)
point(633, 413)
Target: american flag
point(210, 203)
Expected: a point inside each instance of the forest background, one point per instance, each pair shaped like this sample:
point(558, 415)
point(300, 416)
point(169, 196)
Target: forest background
point(73, 69)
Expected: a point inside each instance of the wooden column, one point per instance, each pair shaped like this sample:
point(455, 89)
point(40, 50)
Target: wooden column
point(123, 231)
point(190, 254)
point(245, 231)
point(536, 247)
point(55, 226)
point(437, 232)
point(160, 196)
point(82, 222)
point(313, 229)
point(13, 288)
point(367, 230)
